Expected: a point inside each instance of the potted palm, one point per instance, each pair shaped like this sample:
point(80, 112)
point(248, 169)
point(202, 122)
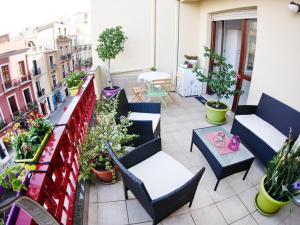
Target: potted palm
point(222, 81)
point(110, 44)
point(74, 82)
point(93, 155)
point(282, 180)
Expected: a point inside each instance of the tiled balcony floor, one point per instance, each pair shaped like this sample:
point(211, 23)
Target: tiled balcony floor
point(232, 203)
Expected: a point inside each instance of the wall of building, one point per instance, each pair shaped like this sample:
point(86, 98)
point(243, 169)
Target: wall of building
point(154, 39)
point(13, 65)
point(19, 96)
point(276, 65)
point(46, 38)
point(137, 20)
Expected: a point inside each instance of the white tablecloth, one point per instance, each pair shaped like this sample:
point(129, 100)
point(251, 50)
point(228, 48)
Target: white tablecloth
point(150, 76)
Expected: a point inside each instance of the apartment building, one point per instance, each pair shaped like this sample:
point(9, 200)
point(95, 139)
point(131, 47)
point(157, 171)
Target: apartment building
point(80, 33)
point(16, 90)
point(81, 51)
point(54, 36)
point(55, 79)
point(42, 72)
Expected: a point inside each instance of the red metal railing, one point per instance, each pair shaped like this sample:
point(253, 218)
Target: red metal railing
point(56, 189)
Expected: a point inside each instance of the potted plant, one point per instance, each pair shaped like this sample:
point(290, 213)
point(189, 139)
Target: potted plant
point(29, 144)
point(93, 155)
point(11, 181)
point(282, 180)
point(222, 81)
point(110, 44)
point(74, 82)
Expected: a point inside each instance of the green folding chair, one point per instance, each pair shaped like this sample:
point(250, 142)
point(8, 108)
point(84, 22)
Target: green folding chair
point(155, 92)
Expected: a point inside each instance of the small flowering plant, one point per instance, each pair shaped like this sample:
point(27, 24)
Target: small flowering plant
point(283, 173)
point(26, 142)
point(12, 179)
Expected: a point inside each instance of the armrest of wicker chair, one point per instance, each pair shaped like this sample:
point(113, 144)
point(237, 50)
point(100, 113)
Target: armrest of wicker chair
point(141, 153)
point(246, 109)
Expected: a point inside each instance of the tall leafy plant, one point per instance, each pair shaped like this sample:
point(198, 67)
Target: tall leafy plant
point(283, 173)
point(93, 152)
point(221, 80)
point(110, 44)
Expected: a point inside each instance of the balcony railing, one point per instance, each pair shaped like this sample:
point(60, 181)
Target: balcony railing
point(41, 93)
point(63, 57)
point(53, 67)
point(7, 85)
point(55, 189)
point(56, 86)
point(36, 72)
point(25, 78)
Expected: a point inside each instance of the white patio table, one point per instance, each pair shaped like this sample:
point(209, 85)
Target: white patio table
point(153, 75)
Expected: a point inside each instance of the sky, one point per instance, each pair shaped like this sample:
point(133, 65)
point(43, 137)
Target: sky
point(16, 15)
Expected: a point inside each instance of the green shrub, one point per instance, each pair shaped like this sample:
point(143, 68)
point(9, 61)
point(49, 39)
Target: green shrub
point(75, 78)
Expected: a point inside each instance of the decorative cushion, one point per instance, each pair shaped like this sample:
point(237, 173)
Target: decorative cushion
point(154, 117)
point(161, 174)
point(262, 129)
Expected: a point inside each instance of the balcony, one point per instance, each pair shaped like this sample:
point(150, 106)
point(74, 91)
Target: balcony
point(2, 124)
point(63, 57)
point(8, 85)
point(56, 86)
point(25, 78)
point(36, 72)
point(53, 67)
point(69, 55)
point(41, 92)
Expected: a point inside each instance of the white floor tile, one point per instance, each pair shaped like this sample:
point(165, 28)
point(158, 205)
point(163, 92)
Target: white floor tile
point(232, 209)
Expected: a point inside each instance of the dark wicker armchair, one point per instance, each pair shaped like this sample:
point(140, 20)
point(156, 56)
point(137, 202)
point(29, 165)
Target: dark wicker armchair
point(145, 118)
point(159, 182)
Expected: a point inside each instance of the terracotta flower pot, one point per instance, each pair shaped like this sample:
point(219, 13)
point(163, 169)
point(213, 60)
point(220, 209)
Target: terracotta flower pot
point(104, 175)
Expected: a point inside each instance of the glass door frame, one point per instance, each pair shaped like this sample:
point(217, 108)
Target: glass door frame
point(241, 76)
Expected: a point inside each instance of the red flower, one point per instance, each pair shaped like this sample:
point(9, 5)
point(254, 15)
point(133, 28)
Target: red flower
point(39, 116)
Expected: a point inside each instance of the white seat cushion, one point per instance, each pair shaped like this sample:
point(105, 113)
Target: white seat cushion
point(262, 129)
point(154, 117)
point(161, 174)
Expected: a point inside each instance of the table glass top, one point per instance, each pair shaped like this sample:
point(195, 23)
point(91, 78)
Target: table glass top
point(226, 159)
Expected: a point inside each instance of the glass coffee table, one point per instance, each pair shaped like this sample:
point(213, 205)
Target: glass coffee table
point(226, 164)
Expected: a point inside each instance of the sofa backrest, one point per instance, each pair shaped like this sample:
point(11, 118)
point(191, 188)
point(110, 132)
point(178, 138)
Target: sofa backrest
point(123, 104)
point(279, 115)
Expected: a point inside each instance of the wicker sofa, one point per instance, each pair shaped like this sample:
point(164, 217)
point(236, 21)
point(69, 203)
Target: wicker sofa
point(145, 118)
point(160, 183)
point(264, 128)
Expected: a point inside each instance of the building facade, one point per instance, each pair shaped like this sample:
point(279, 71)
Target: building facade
point(81, 51)
point(55, 79)
point(16, 90)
